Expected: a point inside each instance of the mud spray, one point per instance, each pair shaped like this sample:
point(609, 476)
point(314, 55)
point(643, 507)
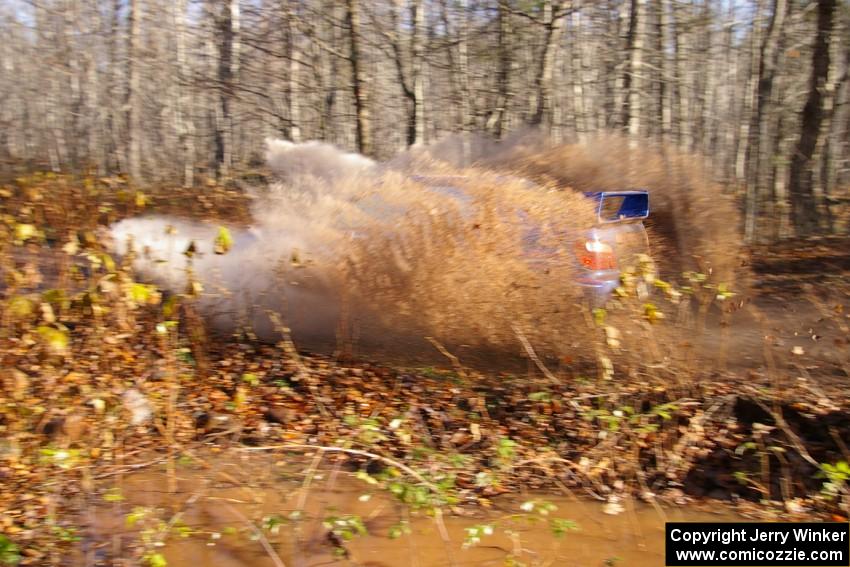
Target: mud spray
point(451, 241)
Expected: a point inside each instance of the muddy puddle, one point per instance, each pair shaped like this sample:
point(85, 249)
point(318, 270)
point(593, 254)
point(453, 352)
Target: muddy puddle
point(257, 510)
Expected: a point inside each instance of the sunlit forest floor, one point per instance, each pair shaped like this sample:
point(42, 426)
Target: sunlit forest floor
point(132, 433)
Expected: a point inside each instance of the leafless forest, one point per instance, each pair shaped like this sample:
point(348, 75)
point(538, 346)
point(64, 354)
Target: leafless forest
point(190, 89)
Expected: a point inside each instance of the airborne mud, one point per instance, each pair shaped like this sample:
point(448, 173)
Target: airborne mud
point(451, 241)
point(462, 254)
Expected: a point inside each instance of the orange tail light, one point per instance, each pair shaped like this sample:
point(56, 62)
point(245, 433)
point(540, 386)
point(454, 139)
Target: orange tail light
point(595, 255)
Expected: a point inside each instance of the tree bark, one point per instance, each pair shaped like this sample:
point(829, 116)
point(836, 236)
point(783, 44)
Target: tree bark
point(804, 206)
point(665, 86)
point(293, 95)
point(184, 125)
point(577, 72)
point(627, 18)
point(463, 68)
point(498, 121)
point(836, 124)
point(228, 65)
point(765, 69)
point(361, 100)
point(134, 118)
point(553, 22)
point(417, 135)
point(635, 84)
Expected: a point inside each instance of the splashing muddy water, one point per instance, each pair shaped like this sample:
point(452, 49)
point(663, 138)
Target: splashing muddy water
point(427, 245)
point(462, 254)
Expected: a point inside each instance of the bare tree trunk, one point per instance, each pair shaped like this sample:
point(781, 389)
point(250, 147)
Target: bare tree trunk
point(577, 72)
point(236, 52)
point(71, 60)
point(707, 85)
point(361, 101)
point(408, 57)
point(459, 69)
point(553, 22)
point(750, 98)
point(329, 73)
point(627, 19)
point(116, 155)
point(228, 64)
point(729, 80)
point(418, 17)
point(463, 68)
point(665, 86)
point(94, 107)
point(765, 70)
point(134, 118)
point(184, 126)
point(14, 106)
point(685, 76)
point(293, 95)
point(800, 183)
point(498, 121)
point(833, 158)
point(636, 33)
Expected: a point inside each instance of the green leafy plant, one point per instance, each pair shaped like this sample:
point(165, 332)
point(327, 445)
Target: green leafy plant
point(113, 495)
point(155, 560)
point(560, 527)
point(9, 551)
point(742, 477)
point(837, 477)
point(223, 241)
point(540, 397)
point(273, 523)
point(475, 533)
point(399, 529)
point(506, 449)
point(345, 528)
point(67, 535)
point(367, 430)
point(62, 458)
point(531, 512)
point(664, 411)
point(181, 529)
point(136, 515)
